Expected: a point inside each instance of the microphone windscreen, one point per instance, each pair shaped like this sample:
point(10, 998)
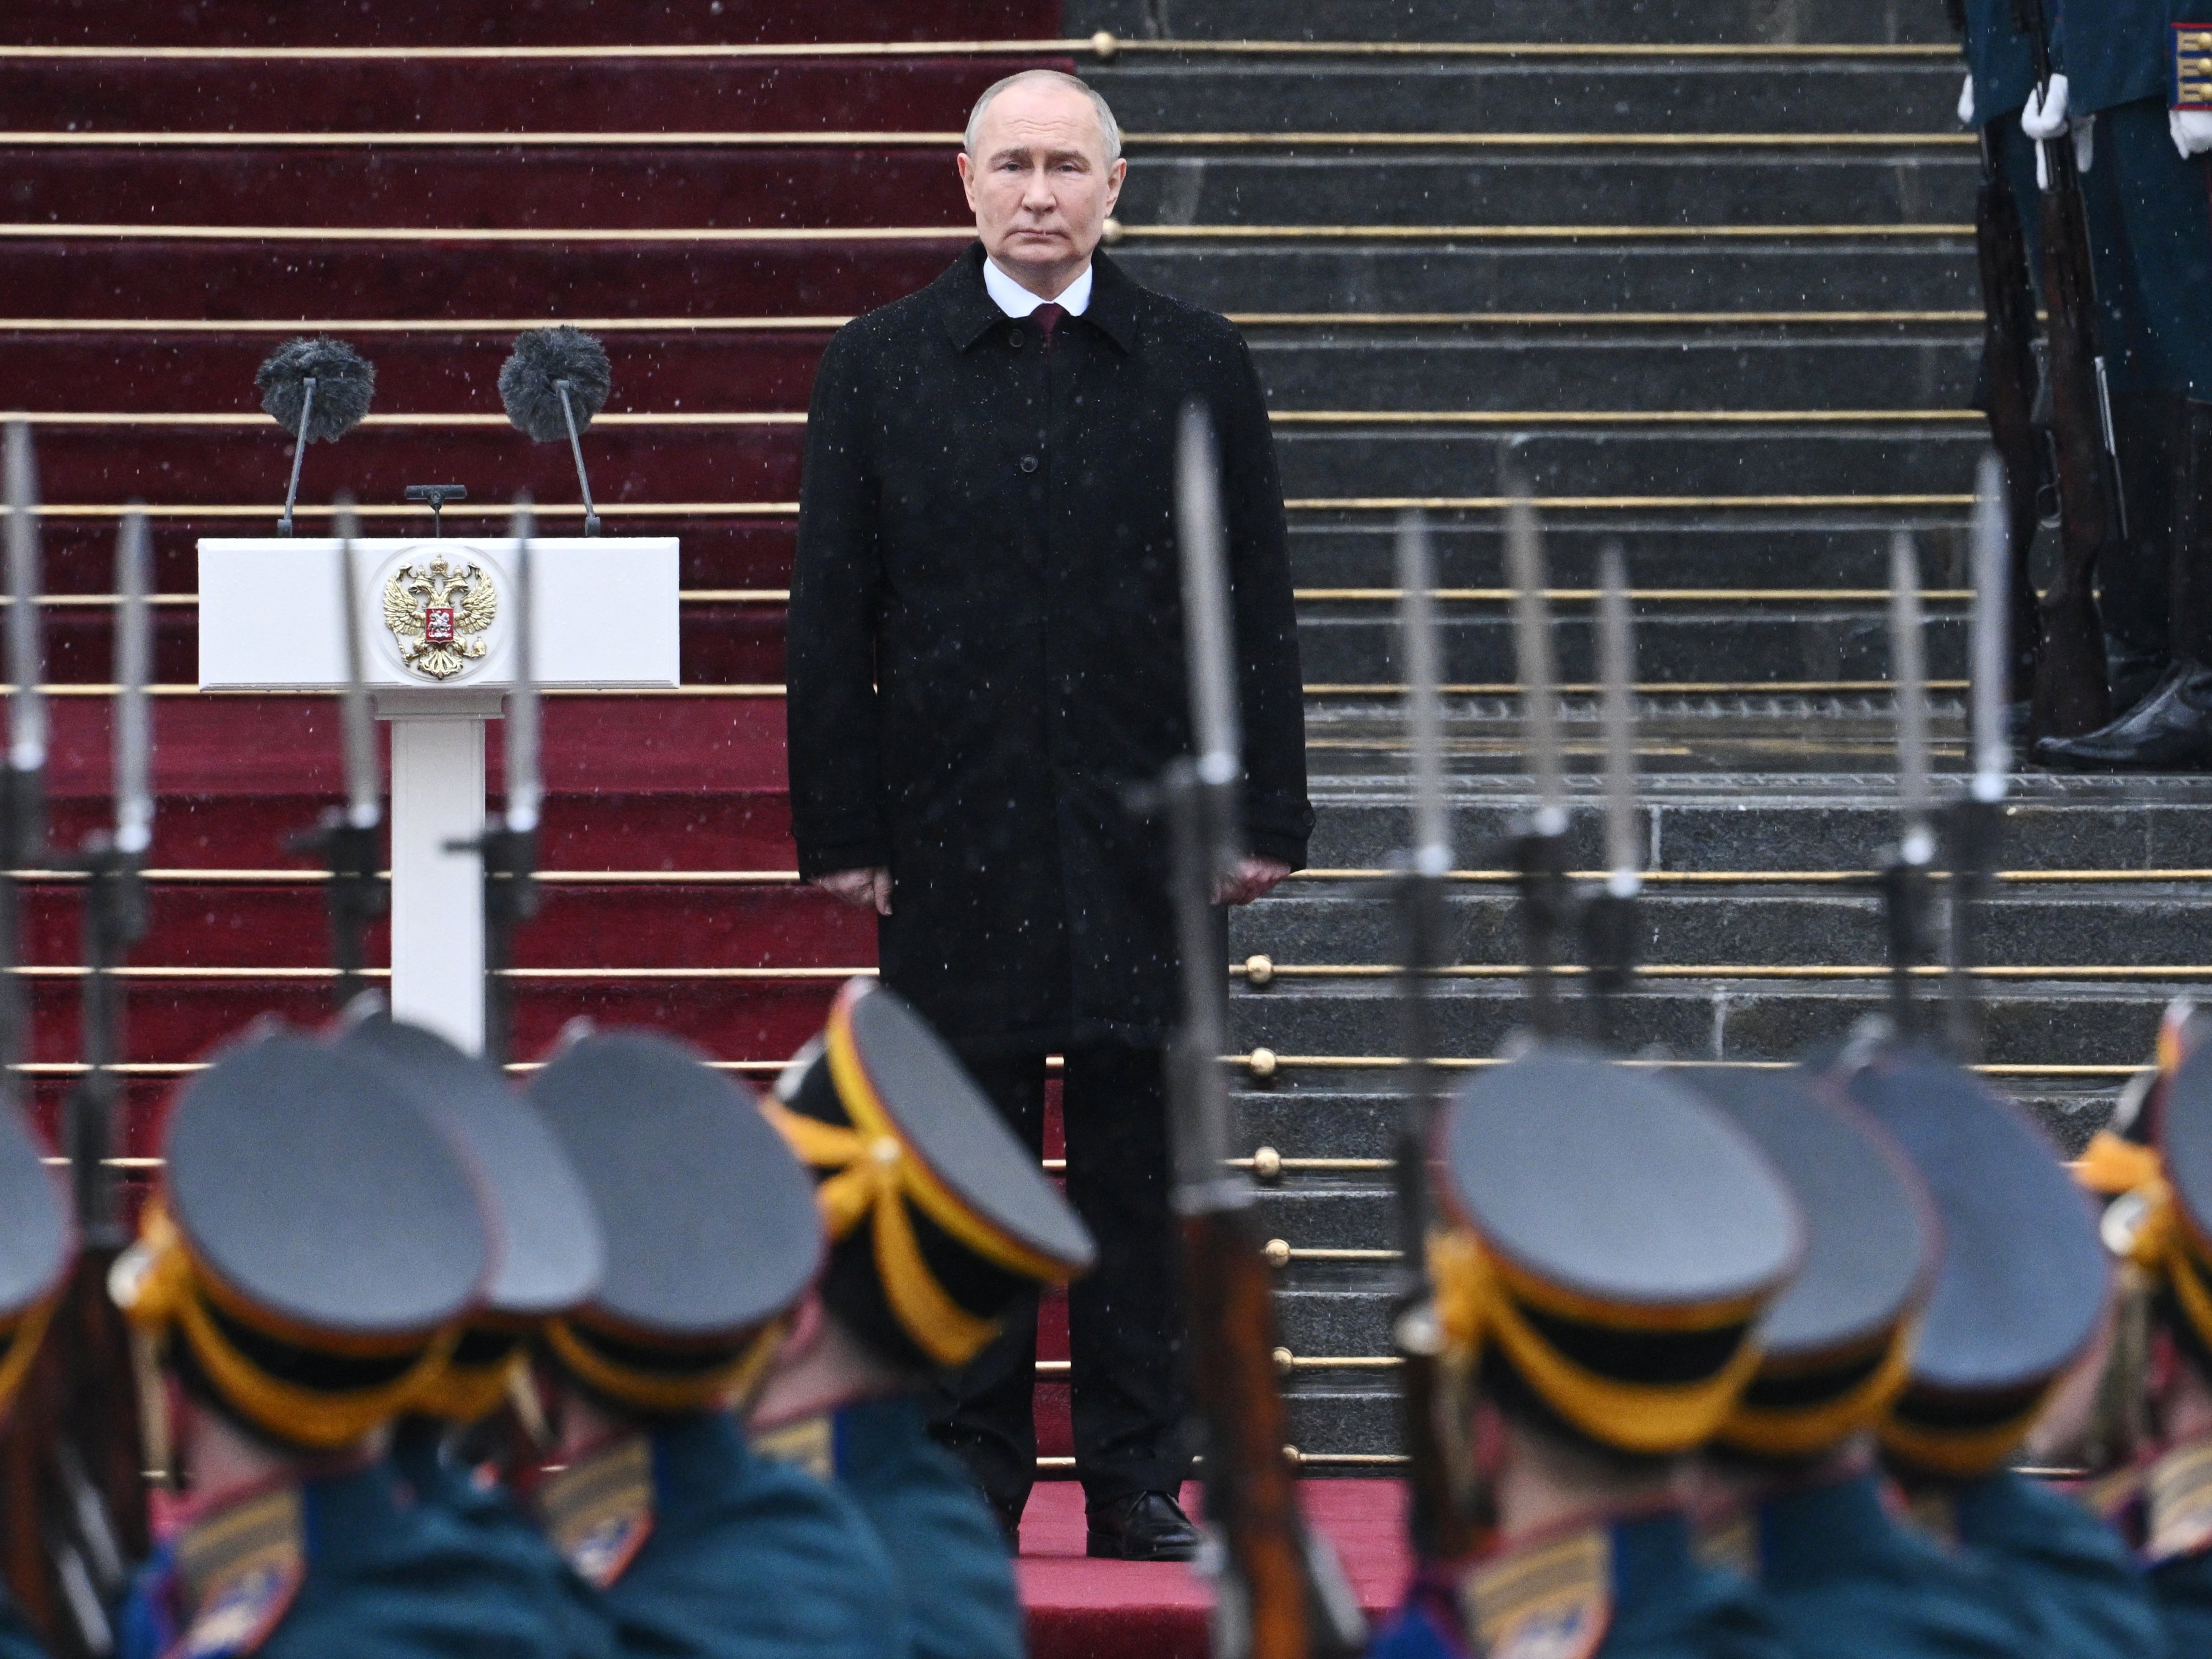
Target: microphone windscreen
point(542, 357)
point(345, 383)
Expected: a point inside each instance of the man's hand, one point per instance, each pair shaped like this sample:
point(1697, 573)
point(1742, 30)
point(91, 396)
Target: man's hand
point(864, 887)
point(1254, 879)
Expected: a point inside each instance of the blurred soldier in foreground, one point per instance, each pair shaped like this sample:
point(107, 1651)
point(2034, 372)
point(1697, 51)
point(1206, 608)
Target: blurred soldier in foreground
point(697, 1546)
point(938, 1218)
point(303, 1273)
point(1798, 1503)
point(465, 1434)
point(2022, 1290)
point(35, 1252)
point(2162, 1224)
point(2142, 74)
point(1613, 1240)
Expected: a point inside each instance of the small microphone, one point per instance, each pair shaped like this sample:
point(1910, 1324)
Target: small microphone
point(556, 380)
point(318, 389)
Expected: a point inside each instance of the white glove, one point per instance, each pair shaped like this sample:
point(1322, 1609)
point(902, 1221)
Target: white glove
point(2044, 116)
point(2191, 130)
point(1966, 103)
point(2085, 143)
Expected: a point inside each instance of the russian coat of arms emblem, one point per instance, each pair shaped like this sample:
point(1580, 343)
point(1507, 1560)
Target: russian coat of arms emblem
point(439, 611)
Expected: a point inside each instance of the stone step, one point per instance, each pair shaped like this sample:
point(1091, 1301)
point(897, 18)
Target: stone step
point(2052, 823)
point(1711, 367)
point(1820, 548)
point(1342, 1116)
point(1154, 92)
point(2134, 925)
point(1747, 642)
point(1689, 186)
point(1666, 22)
point(2039, 1024)
point(1742, 275)
point(1359, 461)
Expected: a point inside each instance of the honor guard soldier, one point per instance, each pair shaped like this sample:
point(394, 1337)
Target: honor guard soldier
point(2162, 1223)
point(939, 1219)
point(2022, 1290)
point(1609, 1243)
point(35, 1251)
point(303, 1273)
point(2142, 70)
point(1841, 1577)
point(697, 1545)
point(478, 1420)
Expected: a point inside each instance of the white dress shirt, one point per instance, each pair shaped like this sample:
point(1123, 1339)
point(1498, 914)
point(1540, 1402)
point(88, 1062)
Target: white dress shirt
point(1015, 301)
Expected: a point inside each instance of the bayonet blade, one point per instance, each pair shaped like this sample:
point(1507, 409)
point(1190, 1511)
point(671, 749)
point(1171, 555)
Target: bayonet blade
point(526, 789)
point(1205, 601)
point(27, 707)
point(1916, 845)
point(1532, 640)
point(1417, 627)
point(134, 662)
point(1617, 670)
point(1992, 640)
point(364, 798)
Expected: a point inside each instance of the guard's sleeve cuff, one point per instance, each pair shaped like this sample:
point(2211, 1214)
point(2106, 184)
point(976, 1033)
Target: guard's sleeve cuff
point(1284, 849)
point(817, 862)
point(2193, 66)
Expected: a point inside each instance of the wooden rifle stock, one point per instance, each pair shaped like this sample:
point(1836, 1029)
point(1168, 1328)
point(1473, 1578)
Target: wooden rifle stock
point(2009, 371)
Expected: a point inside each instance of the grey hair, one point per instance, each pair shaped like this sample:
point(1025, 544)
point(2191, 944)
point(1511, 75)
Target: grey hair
point(1107, 124)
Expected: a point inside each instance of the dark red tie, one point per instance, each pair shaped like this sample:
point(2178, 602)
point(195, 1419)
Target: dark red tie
point(1047, 317)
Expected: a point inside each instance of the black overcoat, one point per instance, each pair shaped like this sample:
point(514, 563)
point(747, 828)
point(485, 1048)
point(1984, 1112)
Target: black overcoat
point(986, 647)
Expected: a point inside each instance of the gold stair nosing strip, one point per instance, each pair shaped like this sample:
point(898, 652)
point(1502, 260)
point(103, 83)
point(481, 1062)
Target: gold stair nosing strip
point(472, 419)
point(1296, 504)
point(1365, 1063)
point(1308, 595)
point(1244, 319)
point(20, 230)
point(2075, 973)
point(1103, 44)
point(173, 139)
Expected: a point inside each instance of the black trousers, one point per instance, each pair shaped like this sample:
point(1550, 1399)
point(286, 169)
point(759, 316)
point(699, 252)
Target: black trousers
point(1124, 1316)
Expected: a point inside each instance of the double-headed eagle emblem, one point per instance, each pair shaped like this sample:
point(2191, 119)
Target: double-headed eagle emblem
point(439, 612)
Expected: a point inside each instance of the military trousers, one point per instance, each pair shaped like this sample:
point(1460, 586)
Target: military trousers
point(1124, 1327)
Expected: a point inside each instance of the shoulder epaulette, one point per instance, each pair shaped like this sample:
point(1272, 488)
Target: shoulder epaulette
point(240, 1569)
point(1552, 1600)
point(2179, 1504)
point(598, 1510)
point(809, 1443)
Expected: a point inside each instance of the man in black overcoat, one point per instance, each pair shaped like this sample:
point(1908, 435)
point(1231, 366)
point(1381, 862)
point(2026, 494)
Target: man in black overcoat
point(985, 653)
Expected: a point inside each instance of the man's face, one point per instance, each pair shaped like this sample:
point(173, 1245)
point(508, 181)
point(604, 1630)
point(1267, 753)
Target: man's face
point(1039, 183)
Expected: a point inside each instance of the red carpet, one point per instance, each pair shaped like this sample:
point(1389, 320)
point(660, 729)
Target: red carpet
point(1079, 1608)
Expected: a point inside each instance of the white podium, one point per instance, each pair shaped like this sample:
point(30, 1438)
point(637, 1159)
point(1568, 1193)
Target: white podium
point(437, 619)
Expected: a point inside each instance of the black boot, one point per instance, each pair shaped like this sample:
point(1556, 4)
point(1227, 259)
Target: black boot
point(2171, 729)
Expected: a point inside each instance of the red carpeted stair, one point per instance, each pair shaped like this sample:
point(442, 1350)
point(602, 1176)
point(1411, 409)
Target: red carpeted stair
point(168, 219)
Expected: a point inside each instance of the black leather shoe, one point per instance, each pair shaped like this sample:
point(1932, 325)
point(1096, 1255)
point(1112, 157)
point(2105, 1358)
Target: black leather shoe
point(2133, 674)
point(1147, 1527)
point(2170, 731)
